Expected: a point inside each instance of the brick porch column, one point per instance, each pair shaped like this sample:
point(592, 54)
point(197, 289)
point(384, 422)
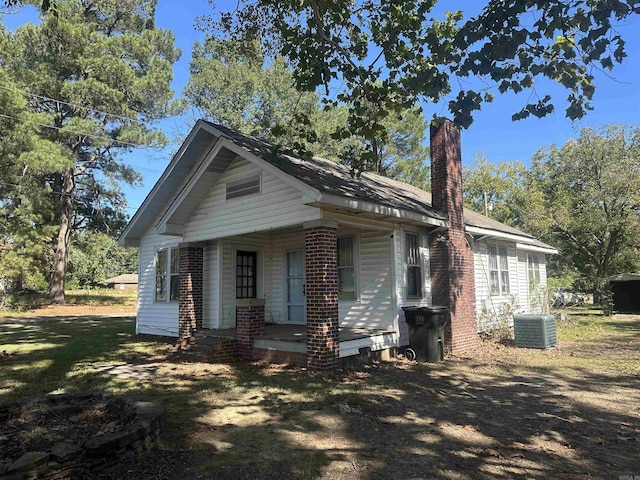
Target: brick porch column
point(249, 324)
point(321, 281)
point(190, 290)
point(452, 268)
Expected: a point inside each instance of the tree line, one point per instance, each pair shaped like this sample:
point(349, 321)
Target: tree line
point(345, 80)
point(582, 197)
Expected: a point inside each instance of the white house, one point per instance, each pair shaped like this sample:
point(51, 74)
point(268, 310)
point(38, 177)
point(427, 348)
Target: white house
point(238, 241)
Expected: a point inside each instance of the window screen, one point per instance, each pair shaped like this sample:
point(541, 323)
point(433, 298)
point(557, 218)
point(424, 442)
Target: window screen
point(498, 270)
point(534, 270)
point(161, 275)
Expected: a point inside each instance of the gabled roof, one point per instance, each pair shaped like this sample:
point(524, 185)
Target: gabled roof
point(326, 182)
point(336, 179)
point(197, 143)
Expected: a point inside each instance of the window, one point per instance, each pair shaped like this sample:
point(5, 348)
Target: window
point(533, 264)
point(414, 266)
point(243, 187)
point(246, 274)
point(498, 270)
point(167, 274)
point(346, 268)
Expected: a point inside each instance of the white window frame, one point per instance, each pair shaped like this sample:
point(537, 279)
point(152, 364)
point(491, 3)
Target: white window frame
point(533, 270)
point(498, 262)
point(355, 267)
point(417, 263)
point(171, 251)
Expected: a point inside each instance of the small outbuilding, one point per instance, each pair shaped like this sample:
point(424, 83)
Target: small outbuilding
point(127, 281)
point(625, 289)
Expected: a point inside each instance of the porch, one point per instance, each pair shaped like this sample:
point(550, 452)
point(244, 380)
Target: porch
point(288, 343)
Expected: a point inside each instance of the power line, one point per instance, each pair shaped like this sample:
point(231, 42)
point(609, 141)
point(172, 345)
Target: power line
point(42, 97)
point(81, 134)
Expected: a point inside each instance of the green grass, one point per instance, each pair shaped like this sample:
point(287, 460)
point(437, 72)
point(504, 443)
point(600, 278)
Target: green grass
point(582, 323)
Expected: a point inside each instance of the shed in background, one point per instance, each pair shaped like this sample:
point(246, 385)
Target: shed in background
point(127, 281)
point(625, 289)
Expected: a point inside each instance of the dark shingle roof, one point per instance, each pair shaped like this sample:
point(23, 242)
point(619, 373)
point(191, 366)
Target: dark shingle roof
point(335, 178)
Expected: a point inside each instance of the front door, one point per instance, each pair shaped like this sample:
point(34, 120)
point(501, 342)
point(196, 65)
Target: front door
point(295, 287)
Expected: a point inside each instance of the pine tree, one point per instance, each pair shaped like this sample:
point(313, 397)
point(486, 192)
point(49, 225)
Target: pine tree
point(95, 76)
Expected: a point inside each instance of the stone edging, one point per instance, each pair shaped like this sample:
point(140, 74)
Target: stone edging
point(66, 457)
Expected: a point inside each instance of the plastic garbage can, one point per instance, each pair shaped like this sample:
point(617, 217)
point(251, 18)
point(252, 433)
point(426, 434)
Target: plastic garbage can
point(426, 332)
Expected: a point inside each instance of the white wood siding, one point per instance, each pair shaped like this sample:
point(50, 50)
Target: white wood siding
point(154, 318)
point(211, 285)
point(489, 307)
point(375, 307)
point(278, 205)
point(523, 283)
point(530, 301)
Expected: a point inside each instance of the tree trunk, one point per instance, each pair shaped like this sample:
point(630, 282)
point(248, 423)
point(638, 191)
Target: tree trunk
point(64, 194)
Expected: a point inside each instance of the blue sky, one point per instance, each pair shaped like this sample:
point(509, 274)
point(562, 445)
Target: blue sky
point(617, 100)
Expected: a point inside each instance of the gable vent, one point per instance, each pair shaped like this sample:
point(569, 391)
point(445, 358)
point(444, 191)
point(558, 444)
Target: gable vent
point(243, 187)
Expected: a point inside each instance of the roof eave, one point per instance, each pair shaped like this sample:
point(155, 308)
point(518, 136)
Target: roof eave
point(126, 239)
point(360, 205)
point(536, 248)
point(487, 232)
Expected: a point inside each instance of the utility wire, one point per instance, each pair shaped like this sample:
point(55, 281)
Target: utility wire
point(81, 134)
point(43, 97)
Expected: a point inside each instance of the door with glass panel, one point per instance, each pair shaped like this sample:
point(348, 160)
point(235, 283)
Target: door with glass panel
point(295, 287)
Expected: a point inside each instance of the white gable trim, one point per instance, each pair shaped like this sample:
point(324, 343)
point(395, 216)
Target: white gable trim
point(275, 171)
point(157, 191)
point(163, 227)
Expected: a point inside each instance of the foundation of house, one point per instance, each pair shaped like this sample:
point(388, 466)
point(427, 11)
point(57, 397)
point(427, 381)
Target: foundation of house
point(288, 344)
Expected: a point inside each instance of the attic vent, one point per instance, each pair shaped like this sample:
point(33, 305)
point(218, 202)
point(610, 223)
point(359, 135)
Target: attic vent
point(243, 187)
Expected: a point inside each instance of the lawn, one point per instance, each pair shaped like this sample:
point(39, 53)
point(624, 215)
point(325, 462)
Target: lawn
point(499, 412)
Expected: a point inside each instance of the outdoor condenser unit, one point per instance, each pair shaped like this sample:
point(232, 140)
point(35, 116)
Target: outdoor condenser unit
point(535, 331)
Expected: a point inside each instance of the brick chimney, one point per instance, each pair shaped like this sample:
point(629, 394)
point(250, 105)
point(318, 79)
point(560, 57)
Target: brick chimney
point(452, 270)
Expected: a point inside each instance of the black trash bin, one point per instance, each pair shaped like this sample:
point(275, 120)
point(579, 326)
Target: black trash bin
point(426, 332)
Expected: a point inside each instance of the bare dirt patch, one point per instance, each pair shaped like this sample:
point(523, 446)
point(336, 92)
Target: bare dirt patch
point(75, 310)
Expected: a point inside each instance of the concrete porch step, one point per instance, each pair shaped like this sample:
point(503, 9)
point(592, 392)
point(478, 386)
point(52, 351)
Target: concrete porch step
point(207, 338)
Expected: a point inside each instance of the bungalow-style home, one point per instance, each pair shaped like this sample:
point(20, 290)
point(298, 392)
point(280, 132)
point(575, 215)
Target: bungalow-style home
point(126, 281)
point(293, 259)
